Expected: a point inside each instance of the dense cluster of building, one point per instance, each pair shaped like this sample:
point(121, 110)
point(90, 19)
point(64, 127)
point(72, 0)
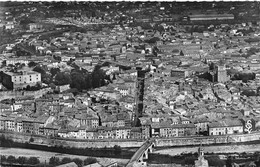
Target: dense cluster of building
point(191, 85)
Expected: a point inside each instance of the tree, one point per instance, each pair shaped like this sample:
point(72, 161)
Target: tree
point(32, 64)
point(181, 53)
point(215, 161)
point(257, 162)
point(46, 78)
point(62, 78)
point(54, 71)
point(244, 76)
point(249, 93)
point(25, 21)
point(39, 70)
point(33, 161)
point(90, 160)
point(4, 141)
point(11, 159)
point(159, 28)
point(88, 81)
point(21, 160)
point(98, 77)
point(78, 80)
point(31, 140)
point(10, 65)
point(249, 40)
point(256, 155)
point(54, 161)
point(146, 26)
point(152, 40)
point(3, 158)
point(117, 150)
point(66, 160)
point(189, 160)
point(229, 161)
point(78, 161)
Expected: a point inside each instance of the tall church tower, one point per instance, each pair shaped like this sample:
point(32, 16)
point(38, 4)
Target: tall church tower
point(222, 73)
point(201, 162)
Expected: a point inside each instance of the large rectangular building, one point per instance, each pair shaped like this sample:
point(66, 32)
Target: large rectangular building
point(224, 127)
point(20, 79)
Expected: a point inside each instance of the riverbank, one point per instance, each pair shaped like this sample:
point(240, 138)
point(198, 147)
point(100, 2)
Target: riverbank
point(233, 148)
point(116, 152)
point(44, 156)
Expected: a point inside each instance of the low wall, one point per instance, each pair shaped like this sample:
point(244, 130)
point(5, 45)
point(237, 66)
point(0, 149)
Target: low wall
point(184, 141)
point(43, 140)
point(160, 142)
point(25, 138)
point(98, 144)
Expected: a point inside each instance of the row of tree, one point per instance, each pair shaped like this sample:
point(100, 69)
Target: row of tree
point(251, 92)
point(249, 40)
point(82, 80)
point(20, 160)
point(244, 76)
point(53, 161)
point(79, 79)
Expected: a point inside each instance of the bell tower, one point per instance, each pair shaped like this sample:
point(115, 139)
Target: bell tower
point(201, 152)
point(201, 162)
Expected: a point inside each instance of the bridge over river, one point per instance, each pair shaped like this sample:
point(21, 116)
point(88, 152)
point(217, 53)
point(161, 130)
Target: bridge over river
point(141, 154)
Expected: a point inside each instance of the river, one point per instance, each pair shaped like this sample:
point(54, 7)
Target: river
point(45, 155)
